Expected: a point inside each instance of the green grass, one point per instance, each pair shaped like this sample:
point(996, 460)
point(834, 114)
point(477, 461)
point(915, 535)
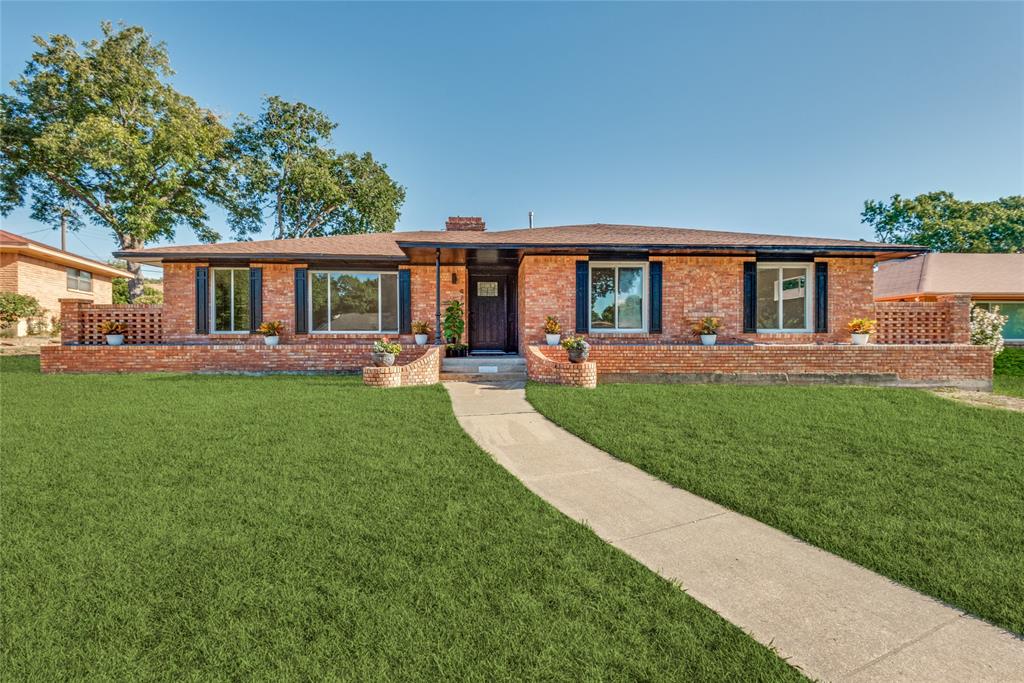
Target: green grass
point(198, 527)
point(1009, 372)
point(925, 490)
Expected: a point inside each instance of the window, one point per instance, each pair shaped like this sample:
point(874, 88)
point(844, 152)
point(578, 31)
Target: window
point(230, 299)
point(79, 280)
point(353, 302)
point(784, 297)
point(617, 297)
point(1013, 330)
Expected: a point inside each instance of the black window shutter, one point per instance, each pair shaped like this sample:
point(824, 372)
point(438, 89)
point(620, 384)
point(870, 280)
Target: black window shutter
point(582, 296)
point(255, 299)
point(202, 300)
point(301, 316)
point(654, 273)
point(750, 296)
point(821, 297)
point(404, 302)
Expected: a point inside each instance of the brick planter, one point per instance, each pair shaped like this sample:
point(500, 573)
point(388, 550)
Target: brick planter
point(554, 368)
point(420, 372)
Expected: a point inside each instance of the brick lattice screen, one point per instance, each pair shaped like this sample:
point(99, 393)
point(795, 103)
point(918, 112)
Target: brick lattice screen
point(80, 322)
point(945, 321)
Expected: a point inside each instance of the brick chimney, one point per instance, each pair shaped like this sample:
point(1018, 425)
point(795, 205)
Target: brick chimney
point(464, 223)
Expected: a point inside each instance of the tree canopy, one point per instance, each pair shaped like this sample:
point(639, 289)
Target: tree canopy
point(283, 168)
point(97, 133)
point(944, 223)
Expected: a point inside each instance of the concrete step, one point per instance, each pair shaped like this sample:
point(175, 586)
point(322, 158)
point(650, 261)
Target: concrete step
point(484, 364)
point(483, 376)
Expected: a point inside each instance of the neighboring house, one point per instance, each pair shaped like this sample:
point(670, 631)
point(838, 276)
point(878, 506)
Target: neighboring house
point(634, 292)
point(49, 274)
point(990, 279)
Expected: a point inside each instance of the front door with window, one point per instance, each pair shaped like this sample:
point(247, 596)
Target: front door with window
point(488, 312)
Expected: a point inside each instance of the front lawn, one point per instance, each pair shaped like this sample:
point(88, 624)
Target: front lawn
point(922, 489)
point(1008, 368)
point(306, 528)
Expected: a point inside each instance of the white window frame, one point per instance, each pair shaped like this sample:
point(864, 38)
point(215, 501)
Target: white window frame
point(380, 301)
point(643, 307)
point(213, 301)
point(990, 303)
point(78, 280)
point(808, 267)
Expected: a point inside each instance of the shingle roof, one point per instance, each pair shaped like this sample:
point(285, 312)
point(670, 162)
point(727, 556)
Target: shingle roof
point(42, 250)
point(976, 274)
point(389, 245)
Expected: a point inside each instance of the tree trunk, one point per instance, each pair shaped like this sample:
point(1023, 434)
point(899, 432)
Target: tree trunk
point(136, 285)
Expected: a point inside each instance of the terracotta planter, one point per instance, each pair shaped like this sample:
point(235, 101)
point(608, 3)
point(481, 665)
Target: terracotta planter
point(115, 339)
point(860, 339)
point(272, 340)
point(382, 360)
point(421, 340)
point(709, 339)
point(552, 339)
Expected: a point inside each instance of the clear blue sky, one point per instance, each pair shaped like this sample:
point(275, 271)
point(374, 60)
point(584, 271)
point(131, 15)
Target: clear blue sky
point(771, 117)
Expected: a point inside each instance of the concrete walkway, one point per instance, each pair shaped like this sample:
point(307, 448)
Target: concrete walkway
point(831, 618)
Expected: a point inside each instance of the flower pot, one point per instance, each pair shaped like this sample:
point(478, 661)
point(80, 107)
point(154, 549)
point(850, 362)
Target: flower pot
point(382, 360)
point(272, 340)
point(709, 339)
point(421, 340)
point(860, 339)
point(553, 339)
point(579, 355)
point(115, 339)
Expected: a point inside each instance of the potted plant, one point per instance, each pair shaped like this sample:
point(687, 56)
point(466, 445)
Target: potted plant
point(384, 352)
point(456, 350)
point(271, 331)
point(861, 329)
point(113, 331)
point(577, 348)
point(707, 330)
point(453, 325)
point(421, 329)
point(552, 331)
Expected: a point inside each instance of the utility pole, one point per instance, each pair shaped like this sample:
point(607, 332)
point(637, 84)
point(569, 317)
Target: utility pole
point(64, 230)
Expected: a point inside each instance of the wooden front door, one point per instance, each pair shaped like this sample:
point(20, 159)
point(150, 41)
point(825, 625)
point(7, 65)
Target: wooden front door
point(488, 312)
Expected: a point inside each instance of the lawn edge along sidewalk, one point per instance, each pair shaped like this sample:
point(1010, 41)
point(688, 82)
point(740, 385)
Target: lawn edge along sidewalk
point(831, 618)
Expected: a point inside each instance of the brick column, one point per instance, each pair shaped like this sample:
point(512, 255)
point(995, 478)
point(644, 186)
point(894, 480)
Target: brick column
point(71, 320)
point(958, 307)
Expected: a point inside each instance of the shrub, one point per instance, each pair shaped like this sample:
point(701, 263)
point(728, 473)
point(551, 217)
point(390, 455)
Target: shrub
point(552, 326)
point(454, 321)
point(14, 307)
point(271, 328)
point(862, 326)
point(420, 327)
point(1010, 362)
point(707, 325)
point(384, 346)
point(987, 328)
point(113, 327)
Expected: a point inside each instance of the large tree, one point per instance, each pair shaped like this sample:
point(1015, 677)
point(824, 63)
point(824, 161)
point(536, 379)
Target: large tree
point(285, 171)
point(96, 132)
point(944, 223)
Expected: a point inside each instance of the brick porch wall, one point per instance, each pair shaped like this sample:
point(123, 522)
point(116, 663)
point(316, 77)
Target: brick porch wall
point(423, 287)
point(551, 369)
point(338, 357)
point(892, 364)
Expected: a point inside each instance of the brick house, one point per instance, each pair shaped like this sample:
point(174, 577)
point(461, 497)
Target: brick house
point(50, 274)
point(634, 292)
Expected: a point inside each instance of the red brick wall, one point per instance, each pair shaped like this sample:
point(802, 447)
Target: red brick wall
point(423, 288)
point(81, 320)
point(692, 287)
point(945, 319)
point(938, 364)
point(420, 372)
point(558, 370)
